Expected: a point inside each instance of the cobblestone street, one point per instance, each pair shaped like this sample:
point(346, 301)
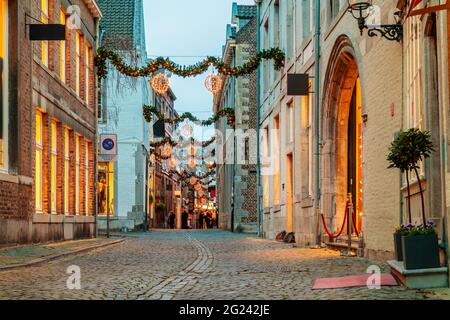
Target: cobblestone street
point(195, 265)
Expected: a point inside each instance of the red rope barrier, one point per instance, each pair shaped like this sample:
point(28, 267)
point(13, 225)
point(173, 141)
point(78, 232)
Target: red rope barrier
point(354, 224)
point(332, 236)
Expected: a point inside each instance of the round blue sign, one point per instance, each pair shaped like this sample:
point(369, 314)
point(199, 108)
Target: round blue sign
point(108, 144)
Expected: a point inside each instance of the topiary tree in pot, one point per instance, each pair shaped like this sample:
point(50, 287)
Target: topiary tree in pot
point(417, 245)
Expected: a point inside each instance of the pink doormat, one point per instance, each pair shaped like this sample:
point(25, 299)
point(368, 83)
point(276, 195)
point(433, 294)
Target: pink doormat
point(353, 281)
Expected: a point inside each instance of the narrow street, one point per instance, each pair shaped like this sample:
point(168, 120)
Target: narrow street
point(206, 265)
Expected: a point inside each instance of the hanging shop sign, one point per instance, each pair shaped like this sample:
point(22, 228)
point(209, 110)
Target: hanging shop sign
point(297, 84)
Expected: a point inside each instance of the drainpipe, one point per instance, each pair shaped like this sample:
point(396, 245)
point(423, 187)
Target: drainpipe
point(233, 91)
point(96, 142)
point(316, 114)
point(258, 157)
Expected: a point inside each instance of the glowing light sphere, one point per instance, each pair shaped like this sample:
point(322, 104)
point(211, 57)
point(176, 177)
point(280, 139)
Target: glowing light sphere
point(160, 83)
point(172, 163)
point(167, 150)
point(193, 181)
point(213, 83)
point(198, 187)
point(192, 164)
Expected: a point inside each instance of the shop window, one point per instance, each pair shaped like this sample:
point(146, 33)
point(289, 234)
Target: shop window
point(86, 178)
point(66, 170)
point(44, 44)
point(77, 174)
point(3, 82)
point(53, 164)
point(38, 161)
point(266, 164)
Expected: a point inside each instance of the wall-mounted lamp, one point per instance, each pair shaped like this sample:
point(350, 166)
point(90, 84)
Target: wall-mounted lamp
point(360, 10)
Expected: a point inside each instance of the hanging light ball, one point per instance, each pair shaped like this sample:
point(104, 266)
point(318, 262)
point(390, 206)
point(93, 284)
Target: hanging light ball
point(172, 163)
point(198, 187)
point(200, 193)
point(192, 164)
point(213, 83)
point(167, 150)
point(211, 165)
point(160, 83)
point(193, 181)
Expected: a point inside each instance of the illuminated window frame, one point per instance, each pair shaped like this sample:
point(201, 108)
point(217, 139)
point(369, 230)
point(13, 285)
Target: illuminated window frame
point(66, 170)
point(38, 161)
point(86, 178)
point(77, 62)
point(77, 174)
point(88, 71)
point(53, 163)
point(62, 48)
point(44, 20)
point(4, 84)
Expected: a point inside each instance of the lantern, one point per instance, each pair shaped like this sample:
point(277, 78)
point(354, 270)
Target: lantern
point(160, 83)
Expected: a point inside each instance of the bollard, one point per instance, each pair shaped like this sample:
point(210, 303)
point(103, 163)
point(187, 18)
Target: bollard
point(349, 252)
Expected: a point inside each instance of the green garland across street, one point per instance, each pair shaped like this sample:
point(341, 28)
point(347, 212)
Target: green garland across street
point(104, 54)
point(151, 111)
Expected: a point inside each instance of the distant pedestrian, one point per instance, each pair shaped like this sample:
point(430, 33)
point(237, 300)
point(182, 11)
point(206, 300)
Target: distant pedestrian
point(184, 220)
point(172, 220)
point(200, 220)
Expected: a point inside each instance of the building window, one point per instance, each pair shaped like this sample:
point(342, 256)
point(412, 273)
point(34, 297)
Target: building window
point(276, 153)
point(38, 164)
point(44, 44)
point(3, 82)
point(62, 49)
point(66, 170)
point(290, 122)
point(77, 174)
point(86, 178)
point(290, 30)
point(88, 71)
point(77, 62)
point(414, 49)
point(334, 7)
point(54, 155)
point(307, 141)
point(266, 164)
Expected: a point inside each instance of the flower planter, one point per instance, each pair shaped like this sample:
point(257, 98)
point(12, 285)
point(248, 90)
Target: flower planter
point(420, 251)
point(398, 246)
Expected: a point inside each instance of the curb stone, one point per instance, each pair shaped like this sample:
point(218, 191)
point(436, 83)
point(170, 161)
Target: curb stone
point(58, 255)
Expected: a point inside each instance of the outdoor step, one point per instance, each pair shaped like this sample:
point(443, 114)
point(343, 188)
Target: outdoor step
point(341, 246)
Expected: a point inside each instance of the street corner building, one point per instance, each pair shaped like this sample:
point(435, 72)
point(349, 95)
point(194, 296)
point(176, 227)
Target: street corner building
point(48, 122)
point(124, 184)
point(237, 164)
point(365, 89)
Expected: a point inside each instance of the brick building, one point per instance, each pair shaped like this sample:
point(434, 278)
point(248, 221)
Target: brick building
point(370, 88)
point(48, 116)
point(236, 169)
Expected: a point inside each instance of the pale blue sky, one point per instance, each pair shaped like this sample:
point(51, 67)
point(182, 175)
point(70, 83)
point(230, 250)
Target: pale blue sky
point(188, 28)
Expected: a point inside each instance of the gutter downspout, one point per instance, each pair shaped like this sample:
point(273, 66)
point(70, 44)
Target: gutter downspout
point(258, 151)
point(96, 142)
point(316, 114)
point(233, 90)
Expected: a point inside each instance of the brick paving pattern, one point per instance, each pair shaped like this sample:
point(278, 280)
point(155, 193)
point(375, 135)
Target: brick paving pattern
point(197, 265)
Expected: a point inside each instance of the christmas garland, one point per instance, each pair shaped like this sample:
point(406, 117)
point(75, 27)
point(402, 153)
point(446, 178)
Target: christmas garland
point(149, 111)
point(162, 142)
point(104, 54)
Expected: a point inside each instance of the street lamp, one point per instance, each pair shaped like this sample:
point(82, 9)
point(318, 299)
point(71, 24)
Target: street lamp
point(360, 10)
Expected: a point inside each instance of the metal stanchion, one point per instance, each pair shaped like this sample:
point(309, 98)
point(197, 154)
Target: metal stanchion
point(349, 252)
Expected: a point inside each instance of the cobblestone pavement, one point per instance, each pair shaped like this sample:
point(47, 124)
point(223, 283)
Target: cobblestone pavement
point(196, 265)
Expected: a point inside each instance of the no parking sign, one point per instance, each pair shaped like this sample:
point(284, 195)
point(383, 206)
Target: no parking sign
point(108, 144)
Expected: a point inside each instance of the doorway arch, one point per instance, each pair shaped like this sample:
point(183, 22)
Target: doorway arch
point(342, 135)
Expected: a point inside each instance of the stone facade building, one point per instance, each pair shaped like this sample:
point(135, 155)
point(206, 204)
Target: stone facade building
point(48, 123)
point(370, 89)
point(236, 170)
point(120, 113)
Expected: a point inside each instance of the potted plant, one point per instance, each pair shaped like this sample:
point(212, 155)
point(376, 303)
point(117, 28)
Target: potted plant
point(398, 234)
point(419, 243)
point(421, 247)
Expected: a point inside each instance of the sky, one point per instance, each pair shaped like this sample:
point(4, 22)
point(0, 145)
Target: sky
point(188, 28)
